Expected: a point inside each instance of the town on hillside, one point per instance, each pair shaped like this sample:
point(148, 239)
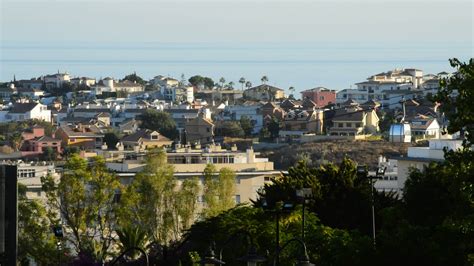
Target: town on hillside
point(133, 135)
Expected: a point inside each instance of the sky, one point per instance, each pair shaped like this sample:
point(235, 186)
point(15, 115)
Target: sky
point(349, 24)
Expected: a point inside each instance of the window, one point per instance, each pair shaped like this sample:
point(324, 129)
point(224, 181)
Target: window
point(267, 178)
point(321, 98)
point(155, 137)
point(340, 124)
point(237, 180)
point(348, 124)
point(237, 199)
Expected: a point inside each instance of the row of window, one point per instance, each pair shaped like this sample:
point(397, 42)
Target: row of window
point(349, 124)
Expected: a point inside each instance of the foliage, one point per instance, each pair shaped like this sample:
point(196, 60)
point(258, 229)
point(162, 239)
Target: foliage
point(111, 139)
point(134, 78)
point(246, 125)
point(35, 238)
point(83, 201)
point(132, 236)
point(198, 80)
point(219, 190)
point(456, 97)
point(49, 154)
point(153, 202)
point(230, 129)
point(159, 121)
point(274, 128)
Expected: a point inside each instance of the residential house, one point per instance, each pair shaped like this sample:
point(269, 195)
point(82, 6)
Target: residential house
point(424, 128)
point(251, 111)
point(22, 111)
point(83, 81)
point(35, 142)
point(128, 126)
point(56, 80)
point(30, 93)
point(354, 121)
point(298, 122)
point(108, 85)
point(7, 92)
point(270, 109)
point(86, 137)
point(320, 95)
point(31, 84)
point(264, 92)
point(200, 130)
point(145, 139)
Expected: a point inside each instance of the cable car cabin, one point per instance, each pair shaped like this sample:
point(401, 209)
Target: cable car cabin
point(400, 133)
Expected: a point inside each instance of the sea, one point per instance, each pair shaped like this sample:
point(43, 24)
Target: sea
point(302, 65)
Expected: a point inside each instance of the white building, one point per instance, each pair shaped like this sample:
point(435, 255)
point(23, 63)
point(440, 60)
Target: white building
point(26, 111)
point(56, 80)
point(252, 112)
point(29, 174)
point(109, 85)
point(83, 81)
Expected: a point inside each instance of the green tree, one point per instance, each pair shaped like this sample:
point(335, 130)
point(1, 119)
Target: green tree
point(134, 78)
point(49, 154)
point(132, 236)
point(159, 121)
point(150, 200)
point(246, 125)
point(242, 82)
point(111, 139)
point(219, 190)
point(83, 201)
point(456, 97)
point(210, 191)
point(230, 129)
point(248, 84)
point(35, 238)
point(222, 82)
point(264, 79)
point(16, 139)
point(274, 128)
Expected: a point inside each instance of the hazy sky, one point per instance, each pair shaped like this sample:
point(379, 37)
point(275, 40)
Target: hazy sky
point(237, 21)
point(295, 43)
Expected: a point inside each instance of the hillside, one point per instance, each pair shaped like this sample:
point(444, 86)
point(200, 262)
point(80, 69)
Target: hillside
point(363, 152)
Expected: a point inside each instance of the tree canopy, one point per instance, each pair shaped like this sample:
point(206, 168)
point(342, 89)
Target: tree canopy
point(159, 121)
point(198, 80)
point(134, 78)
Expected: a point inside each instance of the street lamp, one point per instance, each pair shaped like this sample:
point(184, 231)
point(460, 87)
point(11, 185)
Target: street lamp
point(303, 260)
point(380, 172)
point(304, 194)
point(210, 258)
point(280, 207)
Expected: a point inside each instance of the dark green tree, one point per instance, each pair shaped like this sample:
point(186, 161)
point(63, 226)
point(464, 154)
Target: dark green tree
point(134, 78)
point(246, 125)
point(230, 129)
point(159, 121)
point(111, 139)
point(274, 128)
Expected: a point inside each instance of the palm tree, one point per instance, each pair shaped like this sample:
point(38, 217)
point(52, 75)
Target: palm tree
point(222, 81)
point(264, 79)
point(292, 91)
point(15, 140)
point(132, 236)
point(231, 85)
point(248, 84)
point(242, 81)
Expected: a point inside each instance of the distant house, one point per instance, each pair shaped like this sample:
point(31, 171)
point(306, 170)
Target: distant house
point(320, 95)
point(83, 136)
point(288, 104)
point(270, 109)
point(302, 122)
point(30, 93)
point(56, 80)
point(200, 130)
point(84, 81)
point(26, 111)
point(30, 84)
point(354, 121)
point(108, 85)
point(145, 139)
point(425, 128)
point(35, 142)
point(264, 92)
point(128, 126)
point(7, 92)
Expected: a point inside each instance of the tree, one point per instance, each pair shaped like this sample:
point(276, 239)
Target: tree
point(111, 139)
point(264, 79)
point(456, 97)
point(16, 139)
point(134, 78)
point(84, 202)
point(159, 121)
point(35, 238)
point(132, 236)
point(248, 84)
point(222, 81)
point(274, 128)
point(230, 129)
point(246, 125)
point(242, 82)
point(231, 85)
point(201, 81)
point(226, 191)
point(49, 154)
point(219, 190)
point(292, 92)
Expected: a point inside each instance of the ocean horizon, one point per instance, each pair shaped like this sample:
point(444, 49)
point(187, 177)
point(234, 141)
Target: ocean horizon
point(300, 65)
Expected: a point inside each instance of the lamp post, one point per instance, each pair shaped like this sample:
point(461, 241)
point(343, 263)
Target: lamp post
point(210, 258)
point(304, 194)
point(280, 207)
point(303, 260)
point(363, 172)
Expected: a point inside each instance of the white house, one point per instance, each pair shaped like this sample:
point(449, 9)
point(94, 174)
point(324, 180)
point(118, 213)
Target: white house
point(109, 85)
point(26, 111)
point(253, 112)
point(56, 80)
